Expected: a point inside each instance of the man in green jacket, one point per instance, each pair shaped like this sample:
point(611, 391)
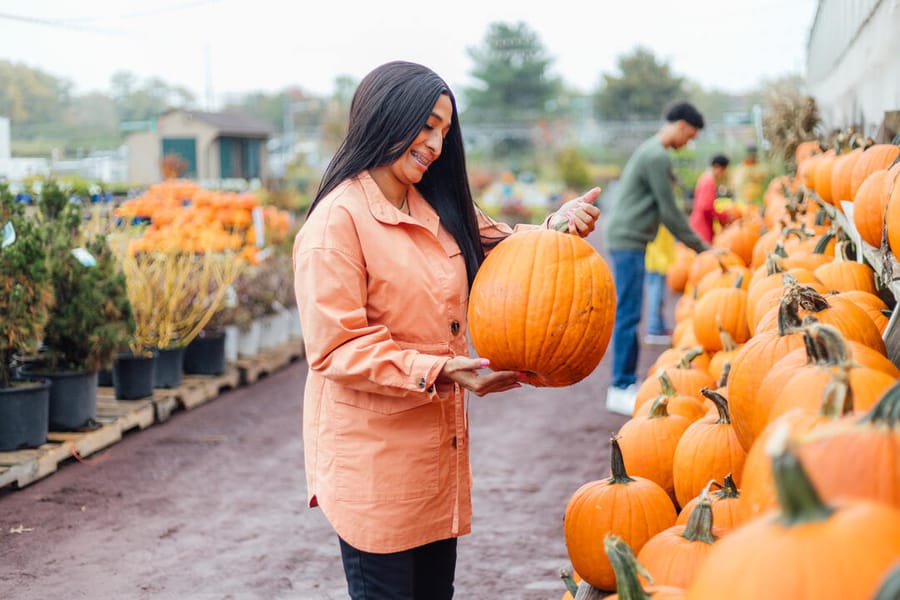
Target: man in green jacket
point(644, 199)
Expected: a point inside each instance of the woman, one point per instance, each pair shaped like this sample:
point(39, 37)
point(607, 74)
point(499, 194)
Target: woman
point(383, 266)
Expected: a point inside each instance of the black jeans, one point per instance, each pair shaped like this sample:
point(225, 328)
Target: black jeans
point(422, 573)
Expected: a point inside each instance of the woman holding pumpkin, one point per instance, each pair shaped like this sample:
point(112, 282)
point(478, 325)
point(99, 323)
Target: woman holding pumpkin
point(383, 267)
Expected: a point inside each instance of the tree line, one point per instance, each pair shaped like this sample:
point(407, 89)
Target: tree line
point(512, 72)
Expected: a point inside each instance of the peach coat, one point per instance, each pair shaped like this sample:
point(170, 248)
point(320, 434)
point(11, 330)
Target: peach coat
point(382, 298)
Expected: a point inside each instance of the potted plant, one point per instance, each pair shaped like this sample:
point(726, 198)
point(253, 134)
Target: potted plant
point(91, 318)
point(26, 296)
point(174, 294)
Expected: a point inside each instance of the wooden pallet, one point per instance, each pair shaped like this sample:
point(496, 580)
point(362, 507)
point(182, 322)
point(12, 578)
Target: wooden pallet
point(268, 361)
point(22, 467)
point(195, 390)
point(116, 417)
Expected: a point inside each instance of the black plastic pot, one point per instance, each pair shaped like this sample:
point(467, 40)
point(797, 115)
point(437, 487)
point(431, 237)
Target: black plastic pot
point(133, 376)
point(169, 367)
point(205, 355)
point(104, 377)
point(73, 398)
point(24, 410)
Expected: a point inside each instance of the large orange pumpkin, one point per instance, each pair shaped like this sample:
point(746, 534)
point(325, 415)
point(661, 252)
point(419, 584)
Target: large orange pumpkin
point(806, 550)
point(873, 158)
point(543, 302)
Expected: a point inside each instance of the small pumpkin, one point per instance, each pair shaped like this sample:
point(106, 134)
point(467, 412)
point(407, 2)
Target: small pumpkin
point(633, 508)
point(706, 449)
point(673, 555)
point(729, 511)
point(648, 441)
point(543, 302)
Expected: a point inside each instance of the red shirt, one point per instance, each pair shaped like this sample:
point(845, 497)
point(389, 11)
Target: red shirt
point(704, 211)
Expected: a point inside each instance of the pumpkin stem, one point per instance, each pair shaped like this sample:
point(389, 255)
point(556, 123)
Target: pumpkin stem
point(823, 242)
point(774, 264)
point(627, 569)
point(700, 522)
point(566, 575)
point(799, 501)
point(617, 463)
point(726, 371)
point(837, 397)
point(688, 357)
point(890, 586)
point(665, 383)
point(830, 344)
point(809, 299)
point(809, 343)
point(788, 317)
point(660, 408)
point(721, 405)
point(728, 343)
point(729, 489)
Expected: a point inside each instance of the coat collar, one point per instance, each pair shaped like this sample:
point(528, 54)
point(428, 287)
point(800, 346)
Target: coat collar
point(382, 209)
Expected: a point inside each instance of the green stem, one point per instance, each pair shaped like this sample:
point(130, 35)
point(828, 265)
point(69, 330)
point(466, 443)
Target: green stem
point(837, 397)
point(890, 586)
point(617, 463)
point(627, 569)
point(721, 405)
point(660, 408)
point(799, 501)
point(700, 522)
point(566, 575)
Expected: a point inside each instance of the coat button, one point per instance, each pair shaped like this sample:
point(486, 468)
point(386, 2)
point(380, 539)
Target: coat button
point(430, 389)
point(422, 382)
point(454, 327)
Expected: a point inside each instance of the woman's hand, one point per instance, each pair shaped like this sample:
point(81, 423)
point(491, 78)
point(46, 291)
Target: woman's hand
point(464, 371)
point(577, 216)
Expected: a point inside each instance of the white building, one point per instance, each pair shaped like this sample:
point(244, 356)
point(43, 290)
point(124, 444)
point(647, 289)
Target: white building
point(853, 65)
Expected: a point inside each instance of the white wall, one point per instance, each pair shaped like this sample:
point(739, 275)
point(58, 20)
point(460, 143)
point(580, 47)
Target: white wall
point(853, 62)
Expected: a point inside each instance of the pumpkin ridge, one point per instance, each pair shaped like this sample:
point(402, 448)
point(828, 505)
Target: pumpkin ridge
point(552, 344)
point(578, 295)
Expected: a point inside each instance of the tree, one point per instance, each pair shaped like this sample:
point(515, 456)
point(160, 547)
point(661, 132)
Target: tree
point(29, 96)
point(141, 101)
point(640, 91)
point(515, 82)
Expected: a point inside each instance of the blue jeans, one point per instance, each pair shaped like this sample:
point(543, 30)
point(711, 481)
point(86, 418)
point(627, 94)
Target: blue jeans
point(423, 573)
point(656, 295)
point(628, 274)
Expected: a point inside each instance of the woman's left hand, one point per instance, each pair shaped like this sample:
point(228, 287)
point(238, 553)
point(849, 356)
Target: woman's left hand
point(577, 216)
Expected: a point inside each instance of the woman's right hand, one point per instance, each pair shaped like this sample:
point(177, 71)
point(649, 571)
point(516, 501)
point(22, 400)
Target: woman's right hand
point(464, 371)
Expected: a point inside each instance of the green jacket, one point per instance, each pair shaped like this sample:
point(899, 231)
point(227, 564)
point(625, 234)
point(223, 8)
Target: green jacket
point(644, 199)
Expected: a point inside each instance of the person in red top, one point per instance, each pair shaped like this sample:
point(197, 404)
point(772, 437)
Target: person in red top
point(706, 191)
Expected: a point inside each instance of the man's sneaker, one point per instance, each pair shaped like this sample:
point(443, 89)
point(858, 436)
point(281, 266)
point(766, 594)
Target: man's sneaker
point(621, 400)
point(658, 339)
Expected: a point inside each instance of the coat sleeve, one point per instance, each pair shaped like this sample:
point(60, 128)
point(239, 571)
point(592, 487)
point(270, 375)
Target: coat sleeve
point(670, 214)
point(341, 344)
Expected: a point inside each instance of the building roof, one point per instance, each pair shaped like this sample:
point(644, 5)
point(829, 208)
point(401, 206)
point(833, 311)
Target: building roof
point(230, 123)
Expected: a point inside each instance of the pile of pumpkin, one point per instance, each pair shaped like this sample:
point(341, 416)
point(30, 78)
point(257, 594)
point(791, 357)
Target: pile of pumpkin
point(763, 456)
point(180, 213)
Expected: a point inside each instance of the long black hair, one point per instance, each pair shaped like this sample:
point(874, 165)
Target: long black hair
point(389, 109)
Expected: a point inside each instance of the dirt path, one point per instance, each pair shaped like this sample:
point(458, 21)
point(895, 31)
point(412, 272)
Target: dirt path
point(210, 505)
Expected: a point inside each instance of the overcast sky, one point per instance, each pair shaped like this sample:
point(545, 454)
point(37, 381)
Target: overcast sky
point(219, 47)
